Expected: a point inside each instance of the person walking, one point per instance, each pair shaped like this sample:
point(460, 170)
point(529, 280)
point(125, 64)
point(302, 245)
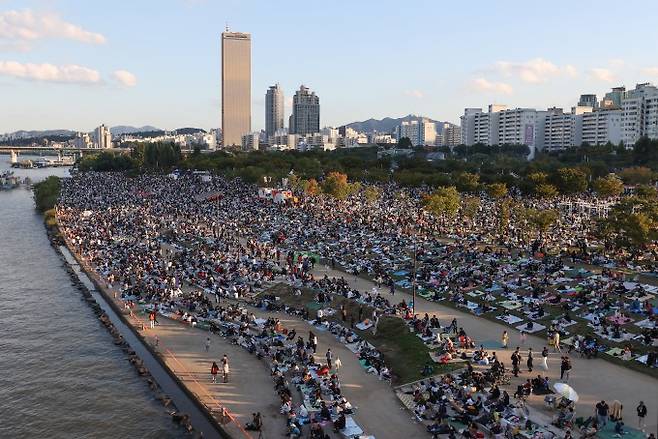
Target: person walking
point(505, 339)
point(516, 360)
point(523, 336)
point(556, 342)
point(641, 414)
point(214, 370)
point(329, 357)
point(544, 358)
point(529, 360)
point(152, 319)
point(313, 340)
point(225, 368)
point(602, 409)
point(207, 344)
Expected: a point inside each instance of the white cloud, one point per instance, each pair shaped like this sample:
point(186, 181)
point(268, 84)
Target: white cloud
point(650, 71)
point(125, 78)
point(534, 71)
point(414, 93)
point(484, 85)
point(602, 74)
point(26, 25)
point(70, 73)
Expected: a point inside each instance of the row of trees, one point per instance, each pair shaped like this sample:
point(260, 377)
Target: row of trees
point(153, 156)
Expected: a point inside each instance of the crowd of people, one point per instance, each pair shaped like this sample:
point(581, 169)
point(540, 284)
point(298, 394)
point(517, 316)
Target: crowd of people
point(151, 236)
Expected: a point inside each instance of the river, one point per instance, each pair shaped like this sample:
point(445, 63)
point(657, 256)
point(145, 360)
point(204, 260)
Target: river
point(61, 376)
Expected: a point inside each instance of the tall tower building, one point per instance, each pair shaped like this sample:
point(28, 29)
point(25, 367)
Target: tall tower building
point(236, 87)
point(273, 110)
point(305, 118)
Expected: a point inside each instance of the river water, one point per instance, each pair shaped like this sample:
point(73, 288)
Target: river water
point(61, 376)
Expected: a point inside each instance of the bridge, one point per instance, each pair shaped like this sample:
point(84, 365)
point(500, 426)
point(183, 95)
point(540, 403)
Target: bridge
point(49, 149)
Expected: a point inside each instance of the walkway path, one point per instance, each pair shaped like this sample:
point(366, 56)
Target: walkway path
point(593, 379)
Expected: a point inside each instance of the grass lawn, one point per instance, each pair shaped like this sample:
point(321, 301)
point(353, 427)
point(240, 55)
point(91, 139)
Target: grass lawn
point(404, 353)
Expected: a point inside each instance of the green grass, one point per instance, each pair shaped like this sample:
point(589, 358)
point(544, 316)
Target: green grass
point(404, 353)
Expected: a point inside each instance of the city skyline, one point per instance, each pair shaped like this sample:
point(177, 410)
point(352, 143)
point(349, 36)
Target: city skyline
point(63, 65)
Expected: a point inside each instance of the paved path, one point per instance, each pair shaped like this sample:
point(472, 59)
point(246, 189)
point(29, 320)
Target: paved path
point(593, 379)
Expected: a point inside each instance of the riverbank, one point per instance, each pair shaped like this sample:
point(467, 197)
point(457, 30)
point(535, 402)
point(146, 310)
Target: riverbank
point(199, 419)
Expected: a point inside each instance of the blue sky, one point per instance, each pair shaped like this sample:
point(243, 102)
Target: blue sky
point(76, 63)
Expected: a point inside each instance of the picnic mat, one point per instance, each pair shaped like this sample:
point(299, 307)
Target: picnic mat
point(608, 432)
point(491, 344)
point(314, 306)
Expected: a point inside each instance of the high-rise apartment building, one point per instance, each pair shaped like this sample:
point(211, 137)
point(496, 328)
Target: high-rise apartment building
point(599, 127)
point(451, 135)
point(274, 110)
point(102, 137)
point(236, 87)
point(639, 114)
point(305, 117)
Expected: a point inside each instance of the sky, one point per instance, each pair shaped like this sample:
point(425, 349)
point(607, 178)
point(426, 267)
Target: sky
point(74, 64)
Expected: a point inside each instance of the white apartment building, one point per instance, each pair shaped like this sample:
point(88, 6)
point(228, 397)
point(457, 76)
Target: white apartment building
point(556, 130)
point(598, 127)
point(102, 137)
point(420, 133)
point(251, 141)
point(381, 138)
point(409, 129)
point(451, 135)
point(639, 113)
point(517, 127)
point(82, 140)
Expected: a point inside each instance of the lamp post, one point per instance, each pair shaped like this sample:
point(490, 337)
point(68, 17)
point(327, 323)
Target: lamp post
point(413, 280)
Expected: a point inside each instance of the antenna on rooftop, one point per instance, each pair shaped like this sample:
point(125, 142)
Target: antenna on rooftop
point(227, 26)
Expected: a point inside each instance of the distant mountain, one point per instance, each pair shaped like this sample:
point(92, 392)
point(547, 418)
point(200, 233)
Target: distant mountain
point(127, 129)
point(23, 134)
point(189, 130)
point(388, 124)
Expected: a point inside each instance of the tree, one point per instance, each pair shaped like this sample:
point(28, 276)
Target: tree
point(497, 190)
point(310, 187)
point(609, 186)
point(542, 219)
point(466, 181)
point(637, 175)
point(336, 185)
point(470, 207)
point(404, 142)
point(632, 223)
point(571, 180)
point(372, 193)
point(443, 202)
point(545, 190)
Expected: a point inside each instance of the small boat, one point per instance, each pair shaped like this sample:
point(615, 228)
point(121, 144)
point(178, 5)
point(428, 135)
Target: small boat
point(9, 181)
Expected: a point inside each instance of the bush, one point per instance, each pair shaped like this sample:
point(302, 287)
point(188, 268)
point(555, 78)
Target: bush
point(46, 194)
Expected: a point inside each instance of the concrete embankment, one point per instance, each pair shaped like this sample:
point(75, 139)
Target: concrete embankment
point(185, 408)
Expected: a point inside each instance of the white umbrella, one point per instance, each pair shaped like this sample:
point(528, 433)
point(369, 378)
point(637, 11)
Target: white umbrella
point(566, 391)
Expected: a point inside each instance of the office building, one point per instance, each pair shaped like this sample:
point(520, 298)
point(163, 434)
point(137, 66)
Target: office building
point(274, 110)
point(236, 87)
point(102, 137)
point(588, 101)
point(305, 117)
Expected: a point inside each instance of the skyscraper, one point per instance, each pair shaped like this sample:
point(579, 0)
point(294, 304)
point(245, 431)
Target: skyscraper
point(236, 87)
point(273, 110)
point(305, 118)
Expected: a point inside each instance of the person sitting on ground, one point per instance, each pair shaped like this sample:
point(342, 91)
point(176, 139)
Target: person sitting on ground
point(340, 422)
point(256, 422)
